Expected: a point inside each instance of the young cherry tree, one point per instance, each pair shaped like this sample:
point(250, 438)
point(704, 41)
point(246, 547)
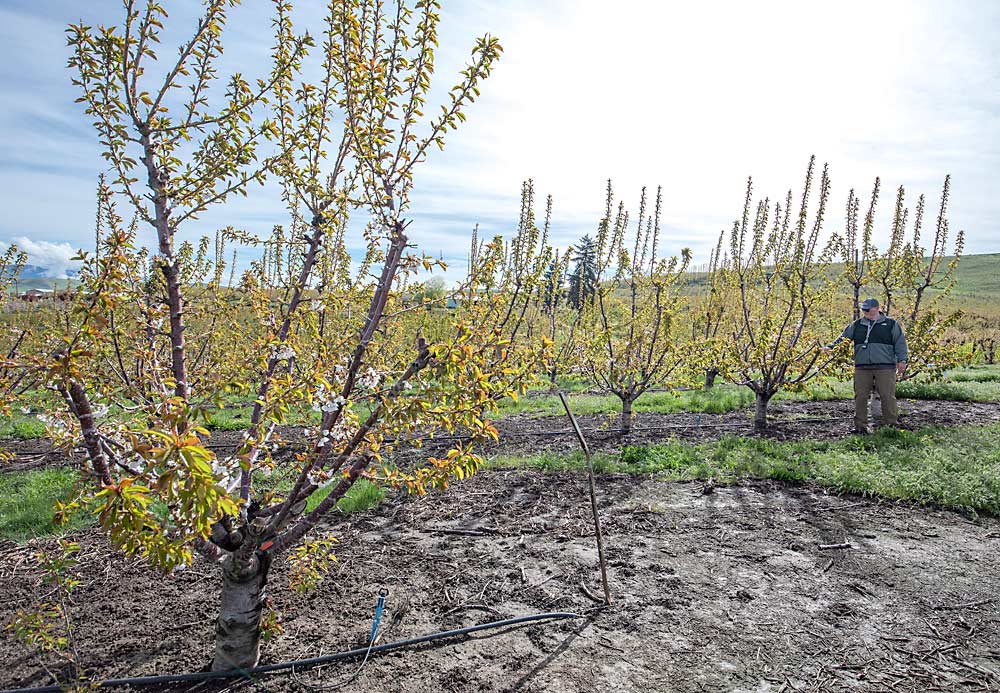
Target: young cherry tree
point(856, 253)
point(985, 345)
point(627, 332)
point(915, 281)
point(12, 378)
point(560, 317)
point(544, 312)
point(325, 336)
point(780, 281)
point(709, 306)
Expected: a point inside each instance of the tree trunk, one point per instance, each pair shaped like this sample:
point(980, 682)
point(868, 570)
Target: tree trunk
point(237, 632)
point(175, 300)
point(760, 412)
point(626, 427)
point(710, 374)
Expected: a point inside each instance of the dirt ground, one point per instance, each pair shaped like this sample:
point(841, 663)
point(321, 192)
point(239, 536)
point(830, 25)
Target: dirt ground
point(527, 434)
point(788, 420)
point(729, 590)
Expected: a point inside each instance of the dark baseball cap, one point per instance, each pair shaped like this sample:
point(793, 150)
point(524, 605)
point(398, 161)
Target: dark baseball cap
point(869, 304)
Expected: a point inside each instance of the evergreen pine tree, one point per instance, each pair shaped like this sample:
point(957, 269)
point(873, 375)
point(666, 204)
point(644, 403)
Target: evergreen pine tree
point(583, 278)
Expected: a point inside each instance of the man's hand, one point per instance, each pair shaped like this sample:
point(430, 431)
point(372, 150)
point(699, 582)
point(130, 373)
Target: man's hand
point(900, 369)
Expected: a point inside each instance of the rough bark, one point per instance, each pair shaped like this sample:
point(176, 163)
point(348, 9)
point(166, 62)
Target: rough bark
point(80, 404)
point(710, 374)
point(626, 427)
point(237, 632)
point(760, 412)
point(175, 300)
point(158, 179)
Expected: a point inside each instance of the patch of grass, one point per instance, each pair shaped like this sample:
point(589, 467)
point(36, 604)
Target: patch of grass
point(229, 419)
point(983, 373)
point(821, 391)
point(669, 457)
point(951, 467)
point(972, 384)
point(363, 495)
point(958, 468)
point(974, 377)
point(26, 501)
point(971, 391)
point(981, 386)
point(718, 400)
point(567, 383)
point(21, 426)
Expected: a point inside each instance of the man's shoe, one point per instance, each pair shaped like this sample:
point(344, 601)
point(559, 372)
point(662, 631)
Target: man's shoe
point(861, 431)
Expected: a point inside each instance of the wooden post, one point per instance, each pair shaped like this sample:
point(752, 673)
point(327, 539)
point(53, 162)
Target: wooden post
point(593, 499)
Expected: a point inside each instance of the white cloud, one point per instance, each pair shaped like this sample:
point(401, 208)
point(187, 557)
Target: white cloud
point(55, 258)
point(691, 96)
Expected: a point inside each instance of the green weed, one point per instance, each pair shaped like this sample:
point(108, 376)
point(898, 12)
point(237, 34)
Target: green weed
point(229, 419)
point(363, 495)
point(21, 426)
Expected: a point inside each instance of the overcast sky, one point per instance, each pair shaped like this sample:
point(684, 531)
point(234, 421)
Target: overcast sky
point(688, 95)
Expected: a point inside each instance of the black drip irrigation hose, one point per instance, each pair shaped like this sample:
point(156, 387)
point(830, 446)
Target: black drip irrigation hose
point(304, 663)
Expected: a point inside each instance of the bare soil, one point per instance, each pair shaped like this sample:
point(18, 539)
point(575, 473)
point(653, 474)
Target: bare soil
point(787, 420)
point(713, 589)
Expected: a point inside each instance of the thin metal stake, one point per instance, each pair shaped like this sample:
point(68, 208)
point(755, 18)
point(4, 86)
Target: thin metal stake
point(593, 499)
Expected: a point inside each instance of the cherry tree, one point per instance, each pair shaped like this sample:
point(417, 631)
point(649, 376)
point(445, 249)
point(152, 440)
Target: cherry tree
point(627, 336)
point(779, 277)
point(915, 281)
point(309, 324)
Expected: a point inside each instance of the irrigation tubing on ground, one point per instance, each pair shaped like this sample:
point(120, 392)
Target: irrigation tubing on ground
point(306, 663)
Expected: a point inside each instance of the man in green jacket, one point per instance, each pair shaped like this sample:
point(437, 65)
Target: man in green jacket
point(879, 360)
